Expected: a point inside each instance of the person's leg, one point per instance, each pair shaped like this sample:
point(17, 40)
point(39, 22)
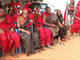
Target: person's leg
point(79, 31)
point(16, 40)
point(3, 40)
point(41, 37)
point(60, 35)
point(74, 28)
point(48, 37)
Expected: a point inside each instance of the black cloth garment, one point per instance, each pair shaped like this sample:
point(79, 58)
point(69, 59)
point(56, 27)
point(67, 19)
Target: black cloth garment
point(60, 18)
point(62, 30)
point(28, 43)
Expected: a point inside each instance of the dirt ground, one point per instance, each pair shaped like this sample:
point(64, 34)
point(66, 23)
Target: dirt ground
point(69, 51)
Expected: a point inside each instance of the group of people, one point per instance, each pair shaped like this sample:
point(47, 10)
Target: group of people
point(37, 31)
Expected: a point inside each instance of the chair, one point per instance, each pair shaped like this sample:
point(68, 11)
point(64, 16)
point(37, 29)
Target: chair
point(20, 49)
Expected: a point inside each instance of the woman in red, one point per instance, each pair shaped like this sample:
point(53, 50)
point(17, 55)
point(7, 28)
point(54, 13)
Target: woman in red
point(76, 21)
point(8, 38)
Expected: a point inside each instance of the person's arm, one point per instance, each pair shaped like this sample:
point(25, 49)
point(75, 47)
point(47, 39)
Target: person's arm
point(44, 22)
point(74, 14)
point(70, 8)
point(1, 31)
point(60, 25)
point(18, 25)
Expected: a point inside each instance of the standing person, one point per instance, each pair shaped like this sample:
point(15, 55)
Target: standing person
point(45, 33)
point(8, 38)
point(12, 4)
point(69, 14)
point(17, 3)
point(51, 21)
point(28, 4)
point(76, 21)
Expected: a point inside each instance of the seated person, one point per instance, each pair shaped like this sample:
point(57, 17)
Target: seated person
point(8, 38)
point(28, 42)
point(63, 30)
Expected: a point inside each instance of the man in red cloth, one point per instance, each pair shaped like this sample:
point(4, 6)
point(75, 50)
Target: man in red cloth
point(76, 21)
point(45, 34)
point(8, 38)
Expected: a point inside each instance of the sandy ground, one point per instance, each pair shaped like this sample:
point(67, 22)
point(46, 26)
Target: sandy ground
point(69, 51)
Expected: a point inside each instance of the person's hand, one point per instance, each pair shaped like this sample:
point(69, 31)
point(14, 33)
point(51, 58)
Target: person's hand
point(28, 32)
point(78, 18)
point(12, 30)
point(54, 26)
point(61, 25)
point(31, 21)
point(1, 31)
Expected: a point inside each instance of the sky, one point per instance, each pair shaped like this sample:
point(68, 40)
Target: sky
point(58, 4)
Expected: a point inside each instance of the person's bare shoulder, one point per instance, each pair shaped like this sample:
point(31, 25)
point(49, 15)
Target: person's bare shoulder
point(19, 18)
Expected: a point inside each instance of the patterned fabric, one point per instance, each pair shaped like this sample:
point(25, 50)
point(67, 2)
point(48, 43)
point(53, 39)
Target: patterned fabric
point(7, 38)
point(52, 19)
point(29, 42)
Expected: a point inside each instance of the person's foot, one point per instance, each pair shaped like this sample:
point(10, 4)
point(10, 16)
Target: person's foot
point(28, 54)
point(61, 43)
point(49, 46)
point(63, 39)
point(52, 44)
point(14, 55)
point(3, 56)
point(37, 51)
point(42, 48)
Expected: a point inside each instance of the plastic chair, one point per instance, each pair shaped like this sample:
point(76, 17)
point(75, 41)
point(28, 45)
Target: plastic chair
point(20, 49)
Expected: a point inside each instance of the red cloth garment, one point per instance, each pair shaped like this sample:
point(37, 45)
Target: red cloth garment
point(76, 23)
point(27, 9)
point(78, 3)
point(10, 22)
point(44, 14)
point(0, 2)
point(27, 5)
point(8, 39)
point(18, 4)
point(45, 33)
point(12, 4)
point(64, 15)
point(16, 39)
point(14, 17)
point(3, 41)
point(45, 36)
